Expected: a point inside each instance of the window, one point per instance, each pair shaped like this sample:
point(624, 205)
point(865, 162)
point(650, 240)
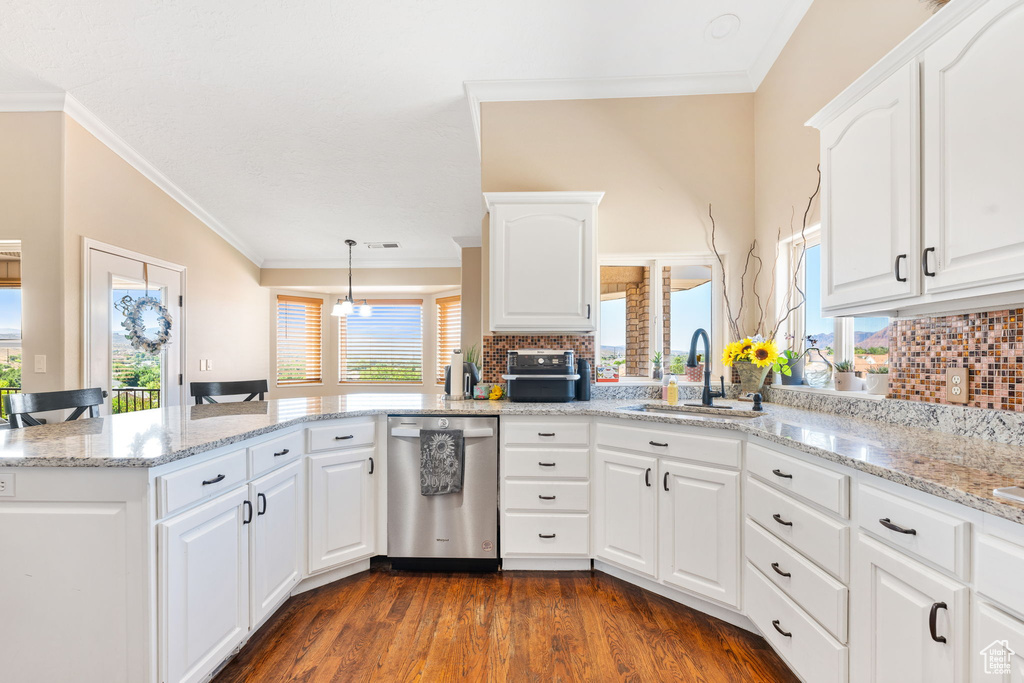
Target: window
point(385, 348)
point(449, 331)
point(636, 326)
point(10, 318)
point(299, 352)
point(863, 340)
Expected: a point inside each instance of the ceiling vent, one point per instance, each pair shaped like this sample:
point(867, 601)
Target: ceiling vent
point(382, 245)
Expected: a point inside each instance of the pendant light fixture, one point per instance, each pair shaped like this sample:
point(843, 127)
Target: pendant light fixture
point(345, 307)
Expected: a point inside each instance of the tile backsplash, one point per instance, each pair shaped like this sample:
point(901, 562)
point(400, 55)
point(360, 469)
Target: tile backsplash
point(494, 356)
point(990, 345)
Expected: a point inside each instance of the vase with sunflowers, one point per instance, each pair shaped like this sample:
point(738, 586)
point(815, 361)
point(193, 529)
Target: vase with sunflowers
point(752, 358)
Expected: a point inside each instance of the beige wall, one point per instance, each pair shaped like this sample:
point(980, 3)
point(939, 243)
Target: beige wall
point(31, 208)
point(472, 277)
point(108, 200)
point(836, 42)
point(660, 162)
point(58, 185)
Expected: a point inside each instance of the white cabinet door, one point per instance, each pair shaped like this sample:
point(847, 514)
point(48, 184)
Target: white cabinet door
point(625, 510)
point(997, 645)
point(543, 272)
point(204, 586)
point(869, 201)
point(341, 508)
point(894, 602)
point(275, 540)
point(973, 146)
point(698, 517)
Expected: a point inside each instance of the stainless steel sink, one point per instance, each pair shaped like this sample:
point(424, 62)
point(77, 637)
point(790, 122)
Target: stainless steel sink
point(722, 412)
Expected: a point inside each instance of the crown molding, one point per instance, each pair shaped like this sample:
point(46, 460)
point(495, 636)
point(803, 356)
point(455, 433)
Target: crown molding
point(777, 41)
point(914, 44)
point(117, 144)
point(31, 101)
point(343, 263)
point(468, 241)
point(65, 102)
point(478, 92)
point(493, 198)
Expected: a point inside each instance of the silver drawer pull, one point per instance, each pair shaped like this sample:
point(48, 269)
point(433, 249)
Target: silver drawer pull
point(546, 497)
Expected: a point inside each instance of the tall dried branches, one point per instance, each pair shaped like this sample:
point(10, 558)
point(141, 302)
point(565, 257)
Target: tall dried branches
point(795, 295)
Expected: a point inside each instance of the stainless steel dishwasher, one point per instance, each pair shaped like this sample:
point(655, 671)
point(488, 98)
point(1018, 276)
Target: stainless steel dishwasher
point(452, 531)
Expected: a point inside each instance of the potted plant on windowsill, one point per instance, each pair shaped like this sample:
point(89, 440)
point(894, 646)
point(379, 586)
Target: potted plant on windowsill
point(657, 370)
point(877, 380)
point(846, 378)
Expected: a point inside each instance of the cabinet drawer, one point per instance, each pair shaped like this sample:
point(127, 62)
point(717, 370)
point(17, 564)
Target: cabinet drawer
point(817, 536)
point(180, 489)
point(526, 534)
point(998, 568)
point(808, 648)
point(550, 464)
point(707, 449)
point(560, 433)
point(935, 536)
point(816, 592)
point(348, 434)
point(270, 454)
point(830, 490)
point(563, 496)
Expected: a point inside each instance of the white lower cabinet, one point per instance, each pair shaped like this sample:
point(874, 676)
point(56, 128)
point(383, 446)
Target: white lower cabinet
point(997, 645)
point(625, 531)
point(698, 516)
point(275, 540)
point(908, 622)
point(204, 586)
point(812, 653)
point(342, 505)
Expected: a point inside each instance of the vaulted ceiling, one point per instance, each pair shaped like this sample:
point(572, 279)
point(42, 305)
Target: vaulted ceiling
point(296, 125)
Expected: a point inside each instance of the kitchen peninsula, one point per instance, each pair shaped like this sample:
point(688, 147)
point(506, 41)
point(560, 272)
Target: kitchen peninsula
point(102, 519)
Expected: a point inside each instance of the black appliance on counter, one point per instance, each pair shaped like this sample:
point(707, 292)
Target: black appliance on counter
point(471, 373)
point(541, 376)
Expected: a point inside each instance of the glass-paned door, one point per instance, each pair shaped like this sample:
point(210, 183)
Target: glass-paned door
point(134, 376)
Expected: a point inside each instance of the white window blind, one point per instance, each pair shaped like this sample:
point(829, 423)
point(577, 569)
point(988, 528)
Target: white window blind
point(386, 348)
point(299, 350)
point(449, 331)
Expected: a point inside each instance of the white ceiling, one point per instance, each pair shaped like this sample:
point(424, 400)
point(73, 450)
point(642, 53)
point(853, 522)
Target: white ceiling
point(292, 126)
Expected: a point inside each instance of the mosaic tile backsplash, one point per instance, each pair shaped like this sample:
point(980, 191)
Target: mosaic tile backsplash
point(990, 345)
point(494, 357)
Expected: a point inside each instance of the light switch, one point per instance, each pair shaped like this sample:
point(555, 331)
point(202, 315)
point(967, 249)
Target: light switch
point(202, 364)
point(40, 364)
point(209, 364)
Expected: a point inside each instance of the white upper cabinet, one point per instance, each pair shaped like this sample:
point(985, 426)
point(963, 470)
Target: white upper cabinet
point(543, 261)
point(921, 208)
point(973, 101)
point(869, 166)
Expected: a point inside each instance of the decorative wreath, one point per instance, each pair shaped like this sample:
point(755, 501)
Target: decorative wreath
point(136, 328)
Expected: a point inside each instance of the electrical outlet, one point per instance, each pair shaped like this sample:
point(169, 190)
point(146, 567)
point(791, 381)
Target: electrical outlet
point(957, 389)
point(7, 484)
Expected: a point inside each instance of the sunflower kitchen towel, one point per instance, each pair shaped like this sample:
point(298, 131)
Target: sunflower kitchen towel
point(442, 461)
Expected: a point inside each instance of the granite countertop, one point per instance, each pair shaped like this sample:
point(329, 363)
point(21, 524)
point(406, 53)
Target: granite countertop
point(958, 468)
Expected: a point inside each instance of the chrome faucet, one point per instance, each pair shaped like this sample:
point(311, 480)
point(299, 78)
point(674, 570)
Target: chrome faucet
point(707, 396)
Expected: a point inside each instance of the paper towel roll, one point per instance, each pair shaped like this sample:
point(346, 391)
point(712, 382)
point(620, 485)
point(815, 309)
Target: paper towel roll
point(455, 381)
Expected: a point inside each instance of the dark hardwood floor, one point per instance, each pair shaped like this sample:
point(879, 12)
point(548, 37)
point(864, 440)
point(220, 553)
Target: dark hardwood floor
point(385, 625)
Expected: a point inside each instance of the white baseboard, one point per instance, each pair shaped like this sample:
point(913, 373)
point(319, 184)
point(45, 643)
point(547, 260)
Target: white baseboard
point(711, 609)
point(558, 564)
point(331, 576)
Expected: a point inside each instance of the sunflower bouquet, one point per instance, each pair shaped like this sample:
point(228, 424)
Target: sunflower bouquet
point(764, 353)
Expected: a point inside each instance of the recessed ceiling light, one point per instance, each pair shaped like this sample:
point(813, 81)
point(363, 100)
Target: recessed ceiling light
point(722, 27)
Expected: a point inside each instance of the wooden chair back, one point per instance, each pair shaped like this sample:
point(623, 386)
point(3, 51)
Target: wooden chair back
point(205, 391)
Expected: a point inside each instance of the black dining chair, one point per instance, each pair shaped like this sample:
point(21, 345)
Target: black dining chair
point(205, 391)
point(18, 406)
